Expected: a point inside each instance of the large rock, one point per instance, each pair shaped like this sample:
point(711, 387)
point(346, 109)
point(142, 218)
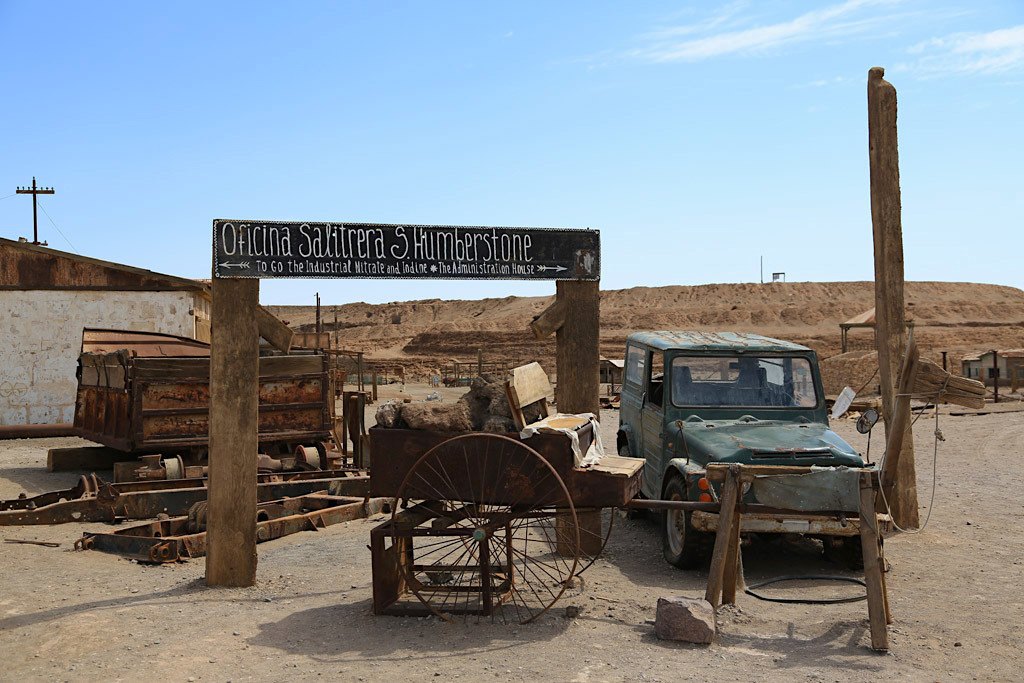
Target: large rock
point(388, 414)
point(486, 399)
point(685, 619)
point(499, 425)
point(437, 417)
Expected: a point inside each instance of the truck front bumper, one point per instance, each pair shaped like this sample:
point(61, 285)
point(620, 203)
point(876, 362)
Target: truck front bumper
point(814, 525)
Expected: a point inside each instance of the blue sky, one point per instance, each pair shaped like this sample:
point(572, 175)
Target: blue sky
point(696, 136)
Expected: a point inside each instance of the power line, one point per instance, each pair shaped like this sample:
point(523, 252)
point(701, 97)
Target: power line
point(73, 248)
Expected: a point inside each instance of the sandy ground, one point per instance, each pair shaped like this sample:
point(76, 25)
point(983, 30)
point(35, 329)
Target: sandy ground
point(955, 592)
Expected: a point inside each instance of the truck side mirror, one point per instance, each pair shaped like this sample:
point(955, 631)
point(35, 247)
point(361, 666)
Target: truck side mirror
point(867, 420)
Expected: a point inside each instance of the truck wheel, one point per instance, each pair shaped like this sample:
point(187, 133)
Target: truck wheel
point(681, 543)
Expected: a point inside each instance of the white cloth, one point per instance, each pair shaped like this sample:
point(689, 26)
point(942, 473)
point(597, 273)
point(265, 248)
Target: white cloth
point(548, 426)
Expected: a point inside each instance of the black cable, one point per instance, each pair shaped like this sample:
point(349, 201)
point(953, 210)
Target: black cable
point(40, 204)
point(749, 590)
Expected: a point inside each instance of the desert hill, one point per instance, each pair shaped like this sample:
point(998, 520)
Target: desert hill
point(422, 335)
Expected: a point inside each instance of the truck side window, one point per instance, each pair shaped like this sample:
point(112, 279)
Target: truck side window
point(635, 357)
point(656, 379)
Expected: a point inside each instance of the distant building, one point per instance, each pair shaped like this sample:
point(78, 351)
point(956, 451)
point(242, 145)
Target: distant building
point(47, 297)
point(865, 319)
point(611, 370)
point(1010, 363)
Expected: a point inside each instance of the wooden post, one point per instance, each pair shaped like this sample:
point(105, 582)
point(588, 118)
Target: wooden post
point(234, 403)
point(726, 546)
point(578, 356)
point(995, 376)
point(479, 362)
point(578, 364)
point(874, 576)
point(890, 322)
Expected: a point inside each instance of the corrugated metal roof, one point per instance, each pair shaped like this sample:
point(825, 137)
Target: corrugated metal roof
point(1003, 353)
point(713, 341)
point(144, 344)
point(26, 266)
point(865, 318)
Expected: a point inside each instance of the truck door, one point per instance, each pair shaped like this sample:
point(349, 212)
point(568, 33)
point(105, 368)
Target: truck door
point(652, 422)
point(631, 402)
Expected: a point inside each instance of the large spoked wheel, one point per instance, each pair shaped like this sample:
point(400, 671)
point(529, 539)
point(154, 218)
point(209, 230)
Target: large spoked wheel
point(491, 529)
point(594, 535)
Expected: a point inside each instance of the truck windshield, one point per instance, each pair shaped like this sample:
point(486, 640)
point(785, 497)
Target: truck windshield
point(743, 381)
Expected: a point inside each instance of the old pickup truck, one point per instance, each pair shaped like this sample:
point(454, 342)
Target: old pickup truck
point(691, 398)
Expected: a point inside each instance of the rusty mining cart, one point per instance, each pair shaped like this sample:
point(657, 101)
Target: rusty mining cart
point(142, 392)
point(488, 524)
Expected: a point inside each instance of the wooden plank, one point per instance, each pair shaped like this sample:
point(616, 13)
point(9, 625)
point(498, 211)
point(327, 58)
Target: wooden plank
point(577, 354)
point(716, 575)
point(550, 320)
point(285, 366)
point(271, 328)
point(234, 386)
point(890, 316)
point(731, 576)
point(84, 458)
point(873, 566)
point(529, 384)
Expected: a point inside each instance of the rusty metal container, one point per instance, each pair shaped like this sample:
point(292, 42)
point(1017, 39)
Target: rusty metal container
point(142, 392)
point(613, 483)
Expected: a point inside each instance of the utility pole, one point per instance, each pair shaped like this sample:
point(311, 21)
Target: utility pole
point(34, 191)
point(890, 307)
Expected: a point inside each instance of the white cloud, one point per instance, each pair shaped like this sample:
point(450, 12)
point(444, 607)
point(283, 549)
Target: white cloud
point(705, 40)
point(994, 52)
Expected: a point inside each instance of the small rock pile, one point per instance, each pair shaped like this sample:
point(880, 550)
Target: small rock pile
point(484, 408)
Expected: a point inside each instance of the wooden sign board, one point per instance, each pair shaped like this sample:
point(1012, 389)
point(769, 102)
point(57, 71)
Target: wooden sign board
point(270, 249)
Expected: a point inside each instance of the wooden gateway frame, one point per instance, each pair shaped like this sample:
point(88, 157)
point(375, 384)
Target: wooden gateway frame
point(246, 251)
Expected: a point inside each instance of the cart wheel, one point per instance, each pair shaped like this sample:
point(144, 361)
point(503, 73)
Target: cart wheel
point(496, 532)
point(592, 542)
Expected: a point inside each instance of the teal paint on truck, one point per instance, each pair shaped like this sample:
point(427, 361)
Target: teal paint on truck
point(723, 397)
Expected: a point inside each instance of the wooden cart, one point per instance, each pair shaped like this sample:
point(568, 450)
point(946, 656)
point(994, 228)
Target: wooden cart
point(487, 524)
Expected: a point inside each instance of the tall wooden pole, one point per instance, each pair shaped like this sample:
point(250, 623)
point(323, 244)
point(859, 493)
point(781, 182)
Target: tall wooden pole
point(234, 387)
point(578, 355)
point(890, 322)
point(578, 364)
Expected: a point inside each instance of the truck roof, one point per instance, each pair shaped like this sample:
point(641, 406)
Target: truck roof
point(713, 341)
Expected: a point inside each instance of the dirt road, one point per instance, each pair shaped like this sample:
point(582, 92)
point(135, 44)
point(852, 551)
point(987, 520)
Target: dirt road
point(955, 594)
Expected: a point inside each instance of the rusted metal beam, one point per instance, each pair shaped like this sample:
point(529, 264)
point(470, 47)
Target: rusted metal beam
point(92, 500)
point(171, 540)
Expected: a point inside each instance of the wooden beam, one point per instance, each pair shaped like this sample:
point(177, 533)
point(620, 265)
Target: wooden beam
point(271, 328)
point(234, 386)
point(578, 356)
point(890, 322)
point(86, 458)
point(549, 322)
point(727, 523)
point(874, 577)
point(889, 475)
